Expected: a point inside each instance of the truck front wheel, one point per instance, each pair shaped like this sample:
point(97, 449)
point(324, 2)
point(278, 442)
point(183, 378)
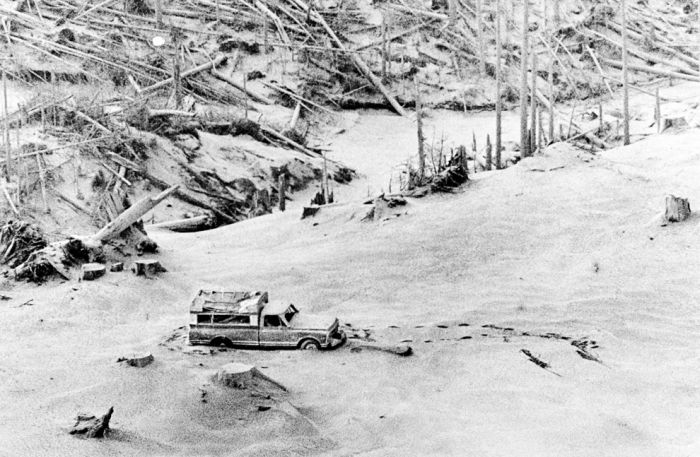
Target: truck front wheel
point(310, 345)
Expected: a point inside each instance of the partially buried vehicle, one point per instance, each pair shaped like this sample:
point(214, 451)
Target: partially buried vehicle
point(249, 319)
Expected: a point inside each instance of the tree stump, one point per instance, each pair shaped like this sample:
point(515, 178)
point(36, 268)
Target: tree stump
point(91, 271)
point(677, 209)
point(147, 267)
point(138, 360)
point(117, 267)
point(236, 375)
point(241, 376)
point(91, 426)
point(309, 211)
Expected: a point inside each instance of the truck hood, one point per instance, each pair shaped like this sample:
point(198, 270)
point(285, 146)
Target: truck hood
point(313, 322)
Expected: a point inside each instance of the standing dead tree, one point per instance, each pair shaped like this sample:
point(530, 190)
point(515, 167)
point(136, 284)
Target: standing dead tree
point(419, 129)
point(499, 76)
point(625, 76)
point(524, 137)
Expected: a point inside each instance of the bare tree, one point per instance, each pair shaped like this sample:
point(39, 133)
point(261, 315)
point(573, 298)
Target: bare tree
point(498, 85)
point(625, 77)
point(524, 140)
point(549, 30)
point(480, 38)
point(533, 102)
point(419, 128)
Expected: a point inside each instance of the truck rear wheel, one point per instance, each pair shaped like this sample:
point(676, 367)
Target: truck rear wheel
point(310, 345)
point(222, 340)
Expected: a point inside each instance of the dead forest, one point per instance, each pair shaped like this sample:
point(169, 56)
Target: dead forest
point(225, 106)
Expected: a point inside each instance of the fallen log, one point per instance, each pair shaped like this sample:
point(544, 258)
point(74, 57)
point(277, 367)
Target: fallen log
point(651, 70)
point(257, 97)
point(361, 65)
point(137, 360)
point(402, 350)
point(190, 224)
point(130, 216)
point(185, 74)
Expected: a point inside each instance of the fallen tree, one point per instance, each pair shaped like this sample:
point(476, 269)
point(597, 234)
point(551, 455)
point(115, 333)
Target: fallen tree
point(59, 257)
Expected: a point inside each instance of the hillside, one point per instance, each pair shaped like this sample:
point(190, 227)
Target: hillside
point(562, 248)
point(549, 310)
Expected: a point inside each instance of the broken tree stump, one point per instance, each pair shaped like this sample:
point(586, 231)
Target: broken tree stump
point(138, 360)
point(147, 267)
point(677, 209)
point(242, 376)
point(91, 271)
point(91, 426)
point(236, 375)
point(310, 211)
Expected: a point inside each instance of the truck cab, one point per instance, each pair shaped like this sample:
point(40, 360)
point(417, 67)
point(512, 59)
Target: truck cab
point(248, 319)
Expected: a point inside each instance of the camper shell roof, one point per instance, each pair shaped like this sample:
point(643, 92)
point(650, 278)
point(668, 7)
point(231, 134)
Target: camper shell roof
point(238, 302)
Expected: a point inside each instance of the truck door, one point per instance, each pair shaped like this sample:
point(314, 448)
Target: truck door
point(274, 332)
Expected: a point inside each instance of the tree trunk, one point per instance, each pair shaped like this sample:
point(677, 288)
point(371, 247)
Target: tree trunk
point(625, 77)
point(282, 190)
point(498, 85)
point(480, 38)
point(419, 128)
point(533, 102)
point(524, 141)
point(130, 216)
point(488, 152)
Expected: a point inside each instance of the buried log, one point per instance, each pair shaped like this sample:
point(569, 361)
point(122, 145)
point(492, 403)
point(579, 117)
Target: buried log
point(190, 224)
point(137, 360)
point(148, 267)
point(403, 350)
point(677, 209)
point(91, 426)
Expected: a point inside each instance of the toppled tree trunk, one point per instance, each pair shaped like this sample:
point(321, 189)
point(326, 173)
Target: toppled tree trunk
point(130, 216)
point(192, 224)
point(57, 258)
point(60, 256)
point(92, 427)
point(677, 209)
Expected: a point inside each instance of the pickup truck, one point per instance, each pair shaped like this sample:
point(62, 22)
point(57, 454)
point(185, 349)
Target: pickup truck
point(249, 319)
